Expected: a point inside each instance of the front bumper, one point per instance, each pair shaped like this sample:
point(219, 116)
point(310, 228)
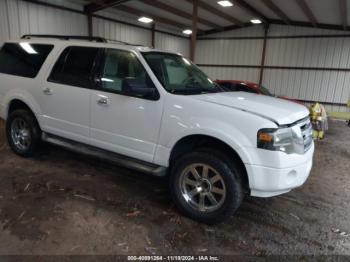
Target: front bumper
point(268, 181)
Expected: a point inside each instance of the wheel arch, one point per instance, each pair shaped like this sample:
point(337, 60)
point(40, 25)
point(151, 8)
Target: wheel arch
point(16, 104)
point(192, 142)
point(19, 103)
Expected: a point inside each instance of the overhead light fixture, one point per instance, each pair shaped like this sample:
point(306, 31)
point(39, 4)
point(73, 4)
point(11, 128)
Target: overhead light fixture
point(145, 20)
point(225, 3)
point(28, 48)
point(187, 31)
point(256, 21)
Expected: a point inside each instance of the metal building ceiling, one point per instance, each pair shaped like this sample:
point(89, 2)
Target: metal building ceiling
point(177, 14)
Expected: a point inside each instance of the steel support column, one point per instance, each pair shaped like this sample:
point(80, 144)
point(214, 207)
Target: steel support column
point(263, 56)
point(153, 32)
point(90, 29)
point(194, 29)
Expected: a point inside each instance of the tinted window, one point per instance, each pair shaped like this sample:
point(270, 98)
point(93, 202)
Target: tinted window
point(23, 59)
point(265, 91)
point(245, 88)
point(178, 75)
point(233, 87)
point(74, 66)
point(228, 86)
point(121, 66)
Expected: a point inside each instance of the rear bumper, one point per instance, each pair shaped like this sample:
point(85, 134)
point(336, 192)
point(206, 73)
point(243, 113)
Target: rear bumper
point(268, 181)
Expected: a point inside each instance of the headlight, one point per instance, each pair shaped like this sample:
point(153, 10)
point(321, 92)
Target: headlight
point(289, 140)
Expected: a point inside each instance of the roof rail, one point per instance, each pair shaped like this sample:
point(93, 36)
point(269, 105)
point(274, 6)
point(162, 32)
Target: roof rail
point(87, 38)
point(67, 37)
point(121, 42)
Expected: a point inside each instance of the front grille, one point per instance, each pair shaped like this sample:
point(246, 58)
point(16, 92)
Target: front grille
point(306, 131)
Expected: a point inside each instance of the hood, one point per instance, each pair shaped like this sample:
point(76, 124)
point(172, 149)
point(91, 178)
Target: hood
point(280, 111)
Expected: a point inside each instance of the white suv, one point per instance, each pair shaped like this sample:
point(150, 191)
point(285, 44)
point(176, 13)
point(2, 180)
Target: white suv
point(156, 112)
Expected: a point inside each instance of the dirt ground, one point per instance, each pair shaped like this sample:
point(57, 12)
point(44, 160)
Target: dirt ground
point(64, 203)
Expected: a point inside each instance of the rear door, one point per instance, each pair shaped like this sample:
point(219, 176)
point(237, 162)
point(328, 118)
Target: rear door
point(66, 94)
point(20, 65)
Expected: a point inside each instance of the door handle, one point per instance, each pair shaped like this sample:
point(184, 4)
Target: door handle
point(103, 100)
point(47, 91)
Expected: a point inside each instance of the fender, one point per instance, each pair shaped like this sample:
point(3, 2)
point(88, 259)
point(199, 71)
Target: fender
point(217, 134)
point(214, 129)
point(25, 97)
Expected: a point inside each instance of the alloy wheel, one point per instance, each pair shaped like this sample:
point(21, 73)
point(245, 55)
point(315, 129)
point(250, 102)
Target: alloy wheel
point(20, 134)
point(202, 187)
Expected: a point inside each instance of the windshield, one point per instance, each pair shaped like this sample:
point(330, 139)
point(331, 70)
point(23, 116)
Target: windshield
point(265, 91)
point(178, 75)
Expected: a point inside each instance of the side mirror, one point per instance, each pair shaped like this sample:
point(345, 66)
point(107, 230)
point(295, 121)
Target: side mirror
point(137, 88)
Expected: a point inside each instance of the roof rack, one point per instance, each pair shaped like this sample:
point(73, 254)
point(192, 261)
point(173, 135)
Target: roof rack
point(77, 37)
point(121, 42)
point(68, 37)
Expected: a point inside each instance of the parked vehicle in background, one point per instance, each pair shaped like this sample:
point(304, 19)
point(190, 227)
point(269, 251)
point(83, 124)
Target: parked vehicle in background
point(155, 112)
point(250, 87)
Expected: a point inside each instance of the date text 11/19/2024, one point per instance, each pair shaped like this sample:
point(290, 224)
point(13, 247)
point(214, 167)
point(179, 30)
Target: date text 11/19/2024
point(173, 258)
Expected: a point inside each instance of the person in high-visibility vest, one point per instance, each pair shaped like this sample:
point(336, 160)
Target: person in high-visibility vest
point(319, 120)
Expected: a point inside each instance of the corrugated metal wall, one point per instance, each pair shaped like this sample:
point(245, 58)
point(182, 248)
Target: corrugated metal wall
point(222, 73)
point(315, 85)
point(326, 86)
point(172, 43)
point(116, 31)
point(19, 17)
point(231, 52)
point(282, 30)
point(227, 52)
point(251, 31)
point(163, 41)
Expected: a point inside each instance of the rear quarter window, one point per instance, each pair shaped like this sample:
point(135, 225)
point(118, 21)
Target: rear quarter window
point(23, 59)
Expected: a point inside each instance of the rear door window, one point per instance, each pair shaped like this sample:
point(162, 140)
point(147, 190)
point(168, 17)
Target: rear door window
point(75, 66)
point(23, 59)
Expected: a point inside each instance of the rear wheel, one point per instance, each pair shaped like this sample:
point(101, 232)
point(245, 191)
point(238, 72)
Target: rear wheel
point(206, 186)
point(23, 133)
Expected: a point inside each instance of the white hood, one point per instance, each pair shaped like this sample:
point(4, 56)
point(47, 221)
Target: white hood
point(278, 110)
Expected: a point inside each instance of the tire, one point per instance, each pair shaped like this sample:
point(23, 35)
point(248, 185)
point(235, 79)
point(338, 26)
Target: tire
point(227, 191)
point(20, 125)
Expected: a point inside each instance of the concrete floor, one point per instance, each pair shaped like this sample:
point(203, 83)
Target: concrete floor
point(63, 203)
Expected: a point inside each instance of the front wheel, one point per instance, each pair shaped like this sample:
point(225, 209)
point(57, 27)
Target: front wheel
point(206, 187)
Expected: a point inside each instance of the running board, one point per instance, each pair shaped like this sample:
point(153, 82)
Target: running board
point(115, 158)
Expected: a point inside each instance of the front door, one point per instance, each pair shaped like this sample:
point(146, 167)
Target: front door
point(120, 122)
